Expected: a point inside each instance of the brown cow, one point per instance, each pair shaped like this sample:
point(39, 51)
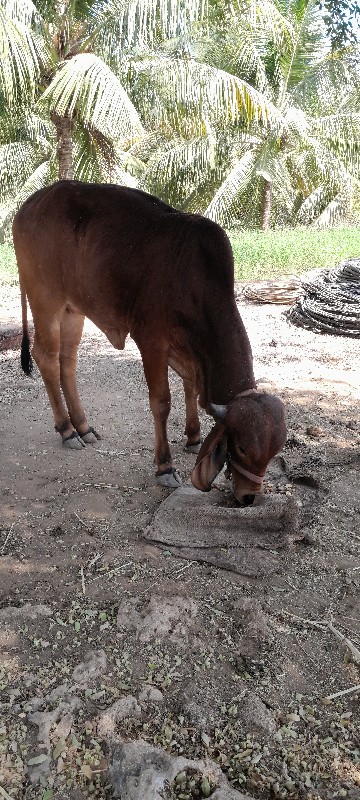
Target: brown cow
point(133, 264)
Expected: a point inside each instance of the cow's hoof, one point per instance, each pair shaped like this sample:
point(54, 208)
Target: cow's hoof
point(193, 448)
point(74, 441)
point(171, 479)
point(90, 437)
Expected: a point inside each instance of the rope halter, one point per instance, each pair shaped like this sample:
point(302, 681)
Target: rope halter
point(231, 462)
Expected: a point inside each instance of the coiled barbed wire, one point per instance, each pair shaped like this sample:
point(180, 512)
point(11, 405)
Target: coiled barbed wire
point(330, 300)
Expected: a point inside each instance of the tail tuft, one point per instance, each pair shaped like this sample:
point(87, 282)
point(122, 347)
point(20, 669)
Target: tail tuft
point(26, 360)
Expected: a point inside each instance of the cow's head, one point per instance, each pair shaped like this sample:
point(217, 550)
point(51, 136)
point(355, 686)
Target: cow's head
point(248, 433)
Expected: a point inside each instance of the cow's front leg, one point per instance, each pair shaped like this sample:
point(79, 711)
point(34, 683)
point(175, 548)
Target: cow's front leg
point(156, 373)
point(192, 428)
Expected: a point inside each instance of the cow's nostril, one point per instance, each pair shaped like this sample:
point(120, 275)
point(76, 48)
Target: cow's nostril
point(248, 500)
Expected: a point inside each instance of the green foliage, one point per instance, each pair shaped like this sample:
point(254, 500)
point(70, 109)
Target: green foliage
point(204, 104)
point(342, 18)
point(309, 150)
point(263, 256)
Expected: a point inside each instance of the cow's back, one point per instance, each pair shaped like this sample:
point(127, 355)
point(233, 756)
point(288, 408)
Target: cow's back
point(118, 253)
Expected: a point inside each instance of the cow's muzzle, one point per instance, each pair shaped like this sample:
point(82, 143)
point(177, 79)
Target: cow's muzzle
point(246, 485)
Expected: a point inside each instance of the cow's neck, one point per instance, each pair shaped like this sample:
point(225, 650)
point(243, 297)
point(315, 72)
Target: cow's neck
point(227, 366)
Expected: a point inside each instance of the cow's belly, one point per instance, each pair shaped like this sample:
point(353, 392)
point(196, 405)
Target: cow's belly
point(116, 336)
point(184, 365)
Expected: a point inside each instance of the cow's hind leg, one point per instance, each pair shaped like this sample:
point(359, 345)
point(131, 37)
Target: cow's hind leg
point(156, 374)
point(192, 429)
point(71, 328)
point(46, 350)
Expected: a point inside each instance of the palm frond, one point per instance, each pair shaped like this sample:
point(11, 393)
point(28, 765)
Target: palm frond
point(140, 22)
point(326, 204)
point(329, 162)
point(22, 11)
point(221, 207)
point(303, 170)
point(312, 205)
point(87, 86)
point(250, 60)
point(333, 212)
point(21, 55)
point(308, 45)
point(271, 165)
point(17, 161)
point(328, 86)
point(268, 15)
point(195, 86)
point(144, 148)
point(296, 121)
point(177, 168)
point(342, 128)
point(106, 163)
point(38, 130)
point(43, 175)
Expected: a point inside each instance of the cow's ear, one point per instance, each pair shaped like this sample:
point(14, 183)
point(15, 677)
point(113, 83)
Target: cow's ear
point(211, 458)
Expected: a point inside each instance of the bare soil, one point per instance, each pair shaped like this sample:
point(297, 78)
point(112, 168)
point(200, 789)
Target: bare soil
point(245, 673)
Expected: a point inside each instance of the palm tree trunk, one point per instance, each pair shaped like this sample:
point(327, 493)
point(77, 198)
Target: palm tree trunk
point(266, 205)
point(64, 127)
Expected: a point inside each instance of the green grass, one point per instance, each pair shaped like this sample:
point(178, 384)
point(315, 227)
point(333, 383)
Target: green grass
point(261, 256)
point(8, 267)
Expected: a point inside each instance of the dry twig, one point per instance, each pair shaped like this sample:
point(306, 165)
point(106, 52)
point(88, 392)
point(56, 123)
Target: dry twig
point(343, 692)
point(82, 579)
point(4, 794)
point(314, 623)
point(82, 521)
point(355, 653)
point(112, 572)
point(182, 569)
point(6, 541)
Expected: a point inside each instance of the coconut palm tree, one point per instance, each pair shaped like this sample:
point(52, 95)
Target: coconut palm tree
point(103, 80)
point(217, 114)
point(44, 134)
point(306, 163)
point(300, 162)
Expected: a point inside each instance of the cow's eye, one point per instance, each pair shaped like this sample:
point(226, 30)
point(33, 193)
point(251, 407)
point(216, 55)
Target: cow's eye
point(241, 450)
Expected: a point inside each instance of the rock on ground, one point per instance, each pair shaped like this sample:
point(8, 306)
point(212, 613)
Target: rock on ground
point(25, 612)
point(158, 618)
point(94, 665)
point(139, 771)
point(126, 707)
point(256, 717)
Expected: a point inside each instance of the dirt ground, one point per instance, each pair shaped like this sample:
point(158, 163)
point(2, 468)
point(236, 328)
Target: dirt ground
point(246, 665)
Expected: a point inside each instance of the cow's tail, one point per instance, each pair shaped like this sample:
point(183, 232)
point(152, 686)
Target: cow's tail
point(26, 360)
